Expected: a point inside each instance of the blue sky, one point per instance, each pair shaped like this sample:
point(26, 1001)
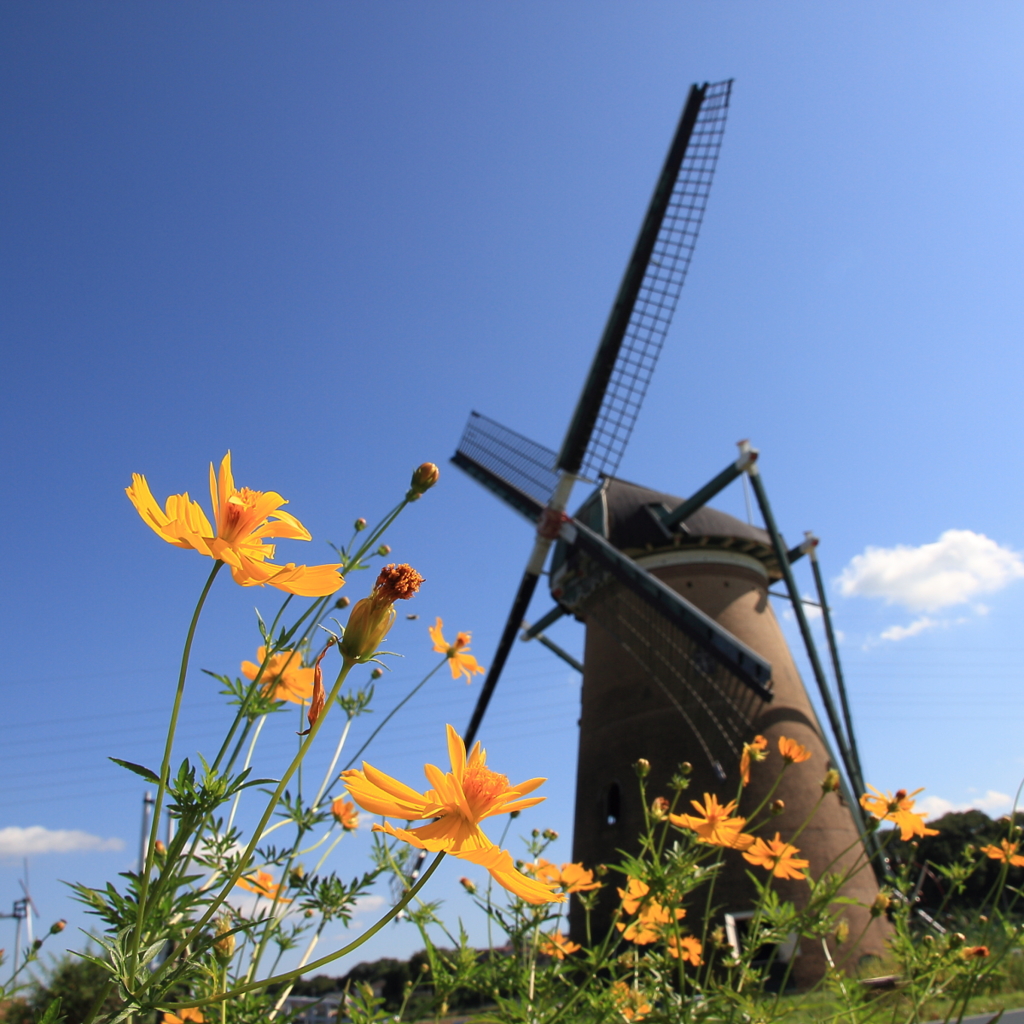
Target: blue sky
point(320, 234)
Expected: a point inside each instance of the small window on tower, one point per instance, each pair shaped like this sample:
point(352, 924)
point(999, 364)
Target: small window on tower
point(613, 804)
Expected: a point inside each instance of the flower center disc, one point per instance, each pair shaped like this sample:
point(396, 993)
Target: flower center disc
point(482, 785)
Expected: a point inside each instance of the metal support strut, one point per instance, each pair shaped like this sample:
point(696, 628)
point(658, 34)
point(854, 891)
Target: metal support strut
point(851, 771)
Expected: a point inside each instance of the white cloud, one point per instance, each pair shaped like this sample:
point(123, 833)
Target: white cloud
point(992, 802)
point(24, 842)
point(902, 632)
point(957, 567)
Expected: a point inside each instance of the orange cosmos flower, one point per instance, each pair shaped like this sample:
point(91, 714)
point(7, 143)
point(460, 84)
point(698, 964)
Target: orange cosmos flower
point(570, 877)
point(792, 752)
point(778, 857)
point(262, 883)
point(756, 750)
point(191, 1014)
point(345, 814)
point(630, 1003)
point(460, 661)
point(558, 945)
point(652, 916)
point(457, 803)
point(686, 947)
point(713, 823)
point(284, 678)
point(1006, 852)
point(898, 809)
point(976, 952)
point(244, 521)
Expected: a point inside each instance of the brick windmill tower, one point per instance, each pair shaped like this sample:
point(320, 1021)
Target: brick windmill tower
point(684, 658)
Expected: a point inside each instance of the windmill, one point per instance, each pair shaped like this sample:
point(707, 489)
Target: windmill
point(684, 659)
point(22, 910)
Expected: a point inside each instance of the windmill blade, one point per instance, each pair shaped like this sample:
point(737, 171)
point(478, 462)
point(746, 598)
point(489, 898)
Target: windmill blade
point(519, 471)
point(625, 359)
point(642, 313)
point(715, 683)
point(602, 560)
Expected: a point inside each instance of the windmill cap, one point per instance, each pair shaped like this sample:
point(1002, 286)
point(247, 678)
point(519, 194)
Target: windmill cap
point(618, 509)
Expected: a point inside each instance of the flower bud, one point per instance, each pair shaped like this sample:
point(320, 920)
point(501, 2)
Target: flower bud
point(159, 849)
point(929, 940)
point(601, 870)
point(830, 783)
point(880, 904)
point(377, 673)
point(58, 926)
point(777, 807)
point(957, 939)
point(660, 808)
point(37, 943)
point(536, 833)
point(514, 814)
point(360, 524)
point(685, 768)
point(642, 768)
point(550, 834)
point(342, 602)
point(308, 913)
point(468, 884)
point(224, 944)
point(384, 549)
point(842, 932)
point(423, 478)
point(296, 876)
point(373, 616)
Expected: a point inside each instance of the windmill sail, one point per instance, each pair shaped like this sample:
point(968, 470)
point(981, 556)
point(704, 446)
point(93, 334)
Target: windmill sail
point(627, 353)
point(642, 313)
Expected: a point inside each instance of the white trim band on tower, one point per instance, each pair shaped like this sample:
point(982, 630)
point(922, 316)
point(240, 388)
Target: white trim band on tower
point(702, 556)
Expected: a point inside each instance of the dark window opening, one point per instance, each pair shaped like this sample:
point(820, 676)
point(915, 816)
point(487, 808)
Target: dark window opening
point(613, 804)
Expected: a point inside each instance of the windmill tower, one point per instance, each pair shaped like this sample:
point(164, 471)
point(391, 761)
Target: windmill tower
point(684, 659)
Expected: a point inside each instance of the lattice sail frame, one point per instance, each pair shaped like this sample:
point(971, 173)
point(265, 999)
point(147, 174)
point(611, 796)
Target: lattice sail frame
point(715, 704)
point(659, 293)
point(528, 466)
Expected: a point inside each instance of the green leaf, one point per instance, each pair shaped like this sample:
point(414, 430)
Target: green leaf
point(50, 1014)
point(149, 776)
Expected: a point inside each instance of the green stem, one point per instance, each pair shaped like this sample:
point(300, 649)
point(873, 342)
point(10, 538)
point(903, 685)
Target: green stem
point(412, 693)
point(243, 861)
point(165, 771)
point(324, 960)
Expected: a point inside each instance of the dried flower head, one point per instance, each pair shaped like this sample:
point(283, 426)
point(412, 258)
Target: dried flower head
point(373, 616)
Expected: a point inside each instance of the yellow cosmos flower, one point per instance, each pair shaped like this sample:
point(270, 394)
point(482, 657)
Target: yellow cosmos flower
point(686, 948)
point(899, 809)
point(714, 823)
point(558, 945)
point(345, 814)
point(756, 750)
point(569, 877)
point(460, 661)
point(1006, 852)
point(244, 520)
point(457, 803)
point(262, 883)
point(629, 1002)
point(284, 678)
point(792, 752)
point(778, 857)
